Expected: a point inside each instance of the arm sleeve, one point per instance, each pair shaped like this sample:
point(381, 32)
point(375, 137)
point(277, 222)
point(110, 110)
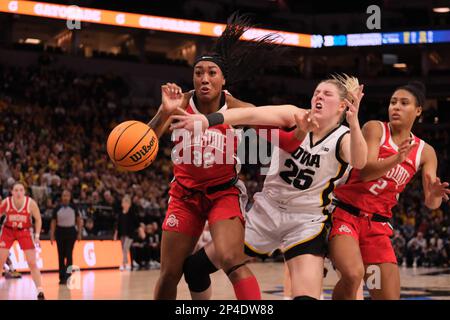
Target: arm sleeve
point(286, 137)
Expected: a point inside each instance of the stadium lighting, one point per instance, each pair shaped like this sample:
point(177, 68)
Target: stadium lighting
point(32, 41)
point(441, 9)
point(400, 65)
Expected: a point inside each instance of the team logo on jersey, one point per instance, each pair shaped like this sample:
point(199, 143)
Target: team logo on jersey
point(325, 149)
point(344, 228)
point(306, 158)
point(408, 161)
point(172, 221)
point(399, 174)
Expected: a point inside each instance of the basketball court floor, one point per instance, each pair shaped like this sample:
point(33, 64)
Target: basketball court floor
point(417, 284)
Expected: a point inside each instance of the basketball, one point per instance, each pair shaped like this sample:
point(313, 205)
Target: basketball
point(132, 145)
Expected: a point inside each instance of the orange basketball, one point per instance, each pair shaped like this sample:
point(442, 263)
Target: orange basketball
point(132, 145)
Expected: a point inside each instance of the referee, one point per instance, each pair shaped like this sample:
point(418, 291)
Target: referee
point(65, 217)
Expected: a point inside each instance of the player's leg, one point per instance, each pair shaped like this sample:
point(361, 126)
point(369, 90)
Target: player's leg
point(199, 266)
point(3, 256)
point(306, 241)
point(197, 269)
point(346, 257)
point(175, 248)
point(383, 281)
point(287, 289)
point(382, 273)
point(360, 293)
point(306, 276)
point(228, 238)
point(345, 254)
point(7, 239)
point(30, 256)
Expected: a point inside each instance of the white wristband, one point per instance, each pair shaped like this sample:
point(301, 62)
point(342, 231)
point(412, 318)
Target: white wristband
point(36, 235)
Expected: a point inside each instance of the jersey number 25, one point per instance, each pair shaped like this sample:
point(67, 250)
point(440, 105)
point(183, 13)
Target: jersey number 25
point(300, 179)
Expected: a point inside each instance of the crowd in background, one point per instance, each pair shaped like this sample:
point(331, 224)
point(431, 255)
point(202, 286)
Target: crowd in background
point(53, 130)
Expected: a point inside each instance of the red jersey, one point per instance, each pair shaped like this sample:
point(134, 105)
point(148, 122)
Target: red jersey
point(381, 195)
point(17, 218)
point(207, 159)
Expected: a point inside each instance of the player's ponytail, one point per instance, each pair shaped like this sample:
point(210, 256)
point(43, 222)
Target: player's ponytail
point(239, 60)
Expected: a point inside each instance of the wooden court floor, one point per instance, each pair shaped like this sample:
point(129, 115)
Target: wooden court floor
point(417, 283)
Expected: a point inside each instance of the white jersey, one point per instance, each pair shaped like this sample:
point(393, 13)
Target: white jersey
point(305, 179)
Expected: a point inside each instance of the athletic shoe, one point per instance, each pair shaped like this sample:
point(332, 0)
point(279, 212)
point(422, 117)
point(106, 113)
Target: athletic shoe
point(41, 296)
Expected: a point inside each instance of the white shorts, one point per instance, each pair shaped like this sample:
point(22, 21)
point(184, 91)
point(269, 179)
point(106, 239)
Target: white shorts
point(269, 227)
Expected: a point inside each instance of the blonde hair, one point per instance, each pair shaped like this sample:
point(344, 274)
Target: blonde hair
point(346, 84)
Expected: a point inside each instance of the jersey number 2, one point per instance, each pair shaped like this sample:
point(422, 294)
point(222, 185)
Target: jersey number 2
point(301, 179)
point(381, 184)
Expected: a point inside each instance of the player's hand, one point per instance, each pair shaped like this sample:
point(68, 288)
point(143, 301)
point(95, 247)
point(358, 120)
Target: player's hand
point(351, 114)
point(306, 122)
point(52, 238)
point(171, 97)
point(189, 121)
point(37, 242)
point(404, 149)
point(438, 189)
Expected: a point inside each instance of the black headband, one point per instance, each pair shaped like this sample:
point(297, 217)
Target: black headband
point(216, 59)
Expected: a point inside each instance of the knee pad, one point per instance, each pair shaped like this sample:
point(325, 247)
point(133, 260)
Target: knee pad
point(196, 269)
point(304, 298)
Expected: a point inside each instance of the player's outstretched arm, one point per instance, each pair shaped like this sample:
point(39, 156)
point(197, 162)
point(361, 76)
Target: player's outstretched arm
point(279, 116)
point(375, 169)
point(434, 190)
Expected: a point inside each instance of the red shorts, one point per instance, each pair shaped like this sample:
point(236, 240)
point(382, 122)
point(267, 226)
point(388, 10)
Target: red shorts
point(187, 212)
point(373, 237)
point(23, 236)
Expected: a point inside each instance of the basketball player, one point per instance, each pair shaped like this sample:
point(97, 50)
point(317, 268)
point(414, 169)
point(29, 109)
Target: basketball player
point(290, 212)
point(208, 189)
point(19, 209)
point(359, 240)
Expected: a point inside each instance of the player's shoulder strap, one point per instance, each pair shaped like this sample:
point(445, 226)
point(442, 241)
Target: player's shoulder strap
point(341, 133)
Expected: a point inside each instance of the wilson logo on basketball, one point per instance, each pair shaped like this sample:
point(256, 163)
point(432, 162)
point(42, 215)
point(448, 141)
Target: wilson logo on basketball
point(143, 151)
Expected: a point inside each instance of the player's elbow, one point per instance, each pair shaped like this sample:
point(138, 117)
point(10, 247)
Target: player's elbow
point(359, 163)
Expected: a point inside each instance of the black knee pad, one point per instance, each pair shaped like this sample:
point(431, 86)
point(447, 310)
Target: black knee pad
point(196, 269)
point(304, 298)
